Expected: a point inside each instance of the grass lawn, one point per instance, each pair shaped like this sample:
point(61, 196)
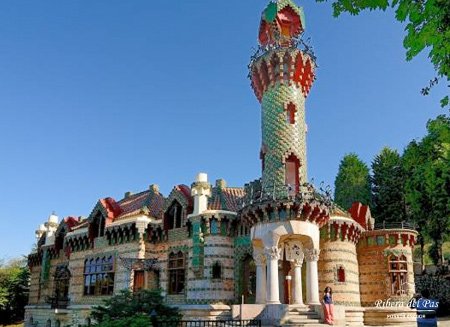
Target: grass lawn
point(17, 325)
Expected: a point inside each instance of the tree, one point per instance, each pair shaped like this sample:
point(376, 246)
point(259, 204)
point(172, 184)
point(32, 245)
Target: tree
point(427, 164)
point(428, 26)
point(14, 283)
point(388, 184)
point(128, 308)
point(352, 182)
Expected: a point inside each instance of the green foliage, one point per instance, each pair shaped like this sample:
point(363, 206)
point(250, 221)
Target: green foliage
point(352, 182)
point(138, 320)
point(127, 304)
point(14, 282)
point(427, 26)
point(427, 165)
point(388, 179)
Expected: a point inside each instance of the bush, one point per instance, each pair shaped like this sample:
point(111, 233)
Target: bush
point(136, 321)
point(14, 280)
point(128, 308)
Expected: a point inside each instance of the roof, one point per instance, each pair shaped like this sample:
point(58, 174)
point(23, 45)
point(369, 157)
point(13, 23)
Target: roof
point(151, 202)
point(226, 198)
point(71, 222)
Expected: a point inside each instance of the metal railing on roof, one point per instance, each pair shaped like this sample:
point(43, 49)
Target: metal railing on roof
point(395, 225)
point(257, 192)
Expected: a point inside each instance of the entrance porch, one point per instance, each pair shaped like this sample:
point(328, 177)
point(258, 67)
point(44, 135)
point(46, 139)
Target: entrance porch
point(280, 249)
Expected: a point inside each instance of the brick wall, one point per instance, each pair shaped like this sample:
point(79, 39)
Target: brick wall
point(373, 251)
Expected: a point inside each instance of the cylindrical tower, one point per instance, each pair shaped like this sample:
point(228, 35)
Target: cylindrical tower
point(282, 76)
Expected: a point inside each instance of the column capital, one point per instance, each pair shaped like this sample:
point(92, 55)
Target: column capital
point(297, 262)
point(312, 254)
point(272, 253)
point(260, 258)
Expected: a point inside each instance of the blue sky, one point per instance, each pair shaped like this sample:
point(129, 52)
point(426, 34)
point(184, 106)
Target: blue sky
point(102, 97)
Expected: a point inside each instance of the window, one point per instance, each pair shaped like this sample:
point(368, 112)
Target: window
point(214, 226)
point(341, 274)
point(97, 227)
point(139, 280)
point(49, 323)
point(61, 290)
point(174, 215)
point(291, 174)
point(59, 239)
point(290, 113)
point(216, 271)
point(99, 276)
point(176, 273)
point(398, 271)
point(263, 160)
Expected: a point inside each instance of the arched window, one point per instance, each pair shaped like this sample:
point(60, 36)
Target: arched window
point(217, 270)
point(49, 323)
point(58, 323)
point(99, 276)
point(176, 273)
point(341, 274)
point(398, 271)
point(61, 288)
point(174, 215)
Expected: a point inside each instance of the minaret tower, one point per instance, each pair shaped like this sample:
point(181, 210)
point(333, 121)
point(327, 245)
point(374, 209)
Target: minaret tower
point(282, 76)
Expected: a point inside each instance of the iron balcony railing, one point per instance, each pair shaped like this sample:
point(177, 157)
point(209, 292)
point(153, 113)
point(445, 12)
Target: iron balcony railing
point(256, 192)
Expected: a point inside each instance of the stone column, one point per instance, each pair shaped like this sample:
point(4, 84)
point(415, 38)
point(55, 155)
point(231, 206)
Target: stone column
point(298, 296)
point(260, 261)
point(273, 293)
point(312, 279)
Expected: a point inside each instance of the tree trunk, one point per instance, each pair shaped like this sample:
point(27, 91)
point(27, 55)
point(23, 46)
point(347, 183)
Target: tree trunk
point(422, 245)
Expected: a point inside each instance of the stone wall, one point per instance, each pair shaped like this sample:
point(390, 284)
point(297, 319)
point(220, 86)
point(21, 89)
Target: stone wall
point(79, 305)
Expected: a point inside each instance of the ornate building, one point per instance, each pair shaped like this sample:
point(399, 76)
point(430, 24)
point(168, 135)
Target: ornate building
point(274, 243)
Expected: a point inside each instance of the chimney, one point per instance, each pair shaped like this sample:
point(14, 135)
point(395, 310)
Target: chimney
point(128, 194)
point(221, 183)
point(154, 188)
point(52, 226)
point(200, 190)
